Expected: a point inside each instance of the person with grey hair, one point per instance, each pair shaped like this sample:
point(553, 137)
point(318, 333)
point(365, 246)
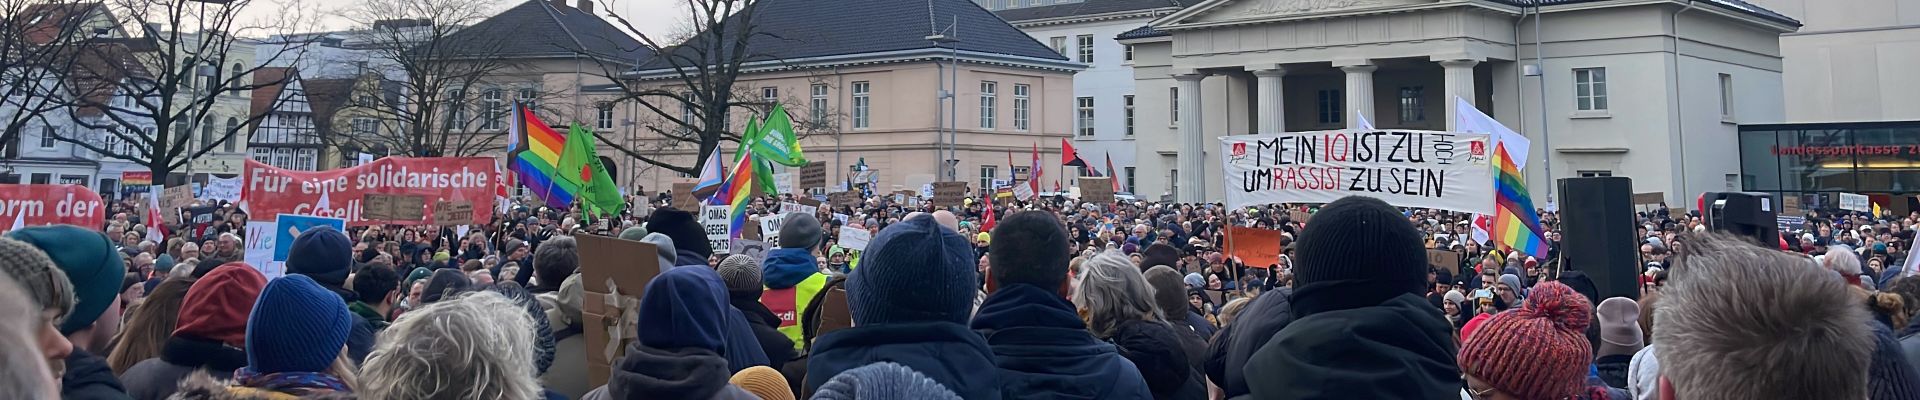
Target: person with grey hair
point(1842, 260)
point(464, 348)
point(1741, 321)
point(23, 366)
point(1119, 308)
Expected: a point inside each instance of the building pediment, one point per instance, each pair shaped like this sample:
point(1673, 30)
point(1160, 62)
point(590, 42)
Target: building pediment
point(1217, 12)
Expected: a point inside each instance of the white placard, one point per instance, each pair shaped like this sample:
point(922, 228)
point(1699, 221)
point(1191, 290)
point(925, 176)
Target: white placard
point(1444, 170)
point(718, 220)
point(222, 189)
point(854, 238)
point(1855, 202)
point(788, 207)
point(1022, 192)
point(770, 228)
point(784, 182)
point(842, 218)
point(259, 247)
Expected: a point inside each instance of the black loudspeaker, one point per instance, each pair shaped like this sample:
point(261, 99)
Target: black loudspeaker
point(1748, 215)
point(1596, 234)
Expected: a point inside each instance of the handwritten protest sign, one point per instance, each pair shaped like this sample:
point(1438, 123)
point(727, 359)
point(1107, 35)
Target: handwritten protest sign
point(1855, 202)
point(797, 208)
point(35, 205)
point(1096, 190)
point(226, 189)
point(1443, 170)
point(855, 238)
point(843, 199)
point(271, 190)
point(946, 194)
point(814, 175)
point(1255, 247)
point(447, 213)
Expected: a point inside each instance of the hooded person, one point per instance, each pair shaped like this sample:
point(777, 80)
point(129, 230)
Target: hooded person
point(87, 260)
point(689, 237)
point(211, 335)
point(325, 256)
point(294, 340)
point(1537, 350)
point(681, 345)
point(883, 380)
point(1170, 296)
point(1041, 347)
point(742, 277)
point(1360, 314)
point(897, 318)
point(1620, 339)
point(792, 276)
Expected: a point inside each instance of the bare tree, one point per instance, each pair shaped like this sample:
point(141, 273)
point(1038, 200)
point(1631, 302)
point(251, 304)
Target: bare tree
point(37, 41)
point(187, 62)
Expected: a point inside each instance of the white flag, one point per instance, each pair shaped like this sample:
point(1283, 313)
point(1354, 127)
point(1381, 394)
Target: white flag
point(153, 218)
point(1470, 119)
point(325, 203)
point(1360, 121)
point(19, 220)
point(1913, 260)
point(368, 158)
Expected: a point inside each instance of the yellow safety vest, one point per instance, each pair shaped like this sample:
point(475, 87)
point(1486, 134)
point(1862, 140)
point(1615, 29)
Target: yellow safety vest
point(789, 304)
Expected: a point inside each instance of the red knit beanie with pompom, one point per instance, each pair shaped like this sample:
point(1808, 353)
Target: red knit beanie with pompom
point(1536, 351)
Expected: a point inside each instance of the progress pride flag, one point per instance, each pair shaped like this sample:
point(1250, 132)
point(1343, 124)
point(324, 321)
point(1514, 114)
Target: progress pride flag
point(337, 193)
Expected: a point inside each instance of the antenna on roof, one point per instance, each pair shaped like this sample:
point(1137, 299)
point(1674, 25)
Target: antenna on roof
point(937, 35)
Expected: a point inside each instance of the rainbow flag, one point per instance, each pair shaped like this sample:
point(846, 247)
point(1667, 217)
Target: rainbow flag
point(736, 192)
point(1515, 224)
point(536, 158)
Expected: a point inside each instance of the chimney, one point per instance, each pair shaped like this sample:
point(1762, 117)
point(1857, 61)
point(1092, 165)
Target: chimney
point(558, 4)
point(586, 6)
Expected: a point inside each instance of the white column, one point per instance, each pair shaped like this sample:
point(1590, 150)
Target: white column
point(1359, 93)
point(1272, 113)
point(1192, 154)
point(1459, 84)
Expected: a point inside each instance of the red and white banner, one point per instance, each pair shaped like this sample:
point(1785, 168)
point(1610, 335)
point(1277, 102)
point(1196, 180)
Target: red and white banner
point(35, 205)
point(337, 193)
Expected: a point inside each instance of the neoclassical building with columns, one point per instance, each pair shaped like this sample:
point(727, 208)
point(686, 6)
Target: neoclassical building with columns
point(1648, 89)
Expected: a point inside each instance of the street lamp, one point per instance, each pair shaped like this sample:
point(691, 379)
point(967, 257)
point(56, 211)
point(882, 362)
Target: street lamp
point(948, 119)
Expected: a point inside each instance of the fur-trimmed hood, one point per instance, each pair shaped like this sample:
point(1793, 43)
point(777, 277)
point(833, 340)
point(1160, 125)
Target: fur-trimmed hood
point(200, 386)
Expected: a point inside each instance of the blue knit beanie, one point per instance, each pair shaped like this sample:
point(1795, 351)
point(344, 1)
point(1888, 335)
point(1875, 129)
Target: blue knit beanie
point(90, 262)
point(883, 380)
point(296, 326)
point(914, 271)
point(323, 254)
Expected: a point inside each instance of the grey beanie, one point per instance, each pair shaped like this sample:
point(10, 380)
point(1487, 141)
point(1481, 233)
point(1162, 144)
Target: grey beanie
point(800, 231)
point(741, 273)
point(45, 283)
point(883, 380)
point(667, 251)
point(633, 233)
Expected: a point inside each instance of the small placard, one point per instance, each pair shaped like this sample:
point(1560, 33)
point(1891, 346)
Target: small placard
point(946, 194)
point(447, 213)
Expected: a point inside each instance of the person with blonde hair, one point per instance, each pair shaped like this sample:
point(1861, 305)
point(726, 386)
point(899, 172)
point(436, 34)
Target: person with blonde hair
point(211, 336)
point(470, 347)
point(149, 325)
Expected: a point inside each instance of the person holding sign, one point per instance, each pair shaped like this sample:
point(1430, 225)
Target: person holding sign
point(792, 275)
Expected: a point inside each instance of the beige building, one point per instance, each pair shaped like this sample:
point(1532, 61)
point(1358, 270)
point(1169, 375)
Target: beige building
point(1652, 90)
point(1853, 61)
point(872, 94)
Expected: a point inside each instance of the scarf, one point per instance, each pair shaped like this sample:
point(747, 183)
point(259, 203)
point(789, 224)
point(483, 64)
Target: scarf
point(294, 383)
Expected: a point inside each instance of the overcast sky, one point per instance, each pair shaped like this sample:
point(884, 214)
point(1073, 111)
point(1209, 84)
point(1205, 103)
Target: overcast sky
point(654, 17)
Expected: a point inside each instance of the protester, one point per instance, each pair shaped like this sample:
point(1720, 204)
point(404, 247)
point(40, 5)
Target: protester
point(461, 348)
point(148, 327)
point(541, 332)
point(883, 380)
point(763, 382)
point(1170, 295)
point(568, 374)
point(86, 259)
point(211, 336)
point(377, 288)
point(1620, 338)
point(553, 262)
point(1042, 349)
point(445, 284)
point(1358, 280)
point(898, 319)
point(295, 339)
point(742, 277)
point(1535, 351)
point(1740, 321)
point(682, 341)
point(1235, 343)
point(23, 368)
point(48, 297)
point(689, 237)
point(1119, 308)
point(793, 276)
point(325, 256)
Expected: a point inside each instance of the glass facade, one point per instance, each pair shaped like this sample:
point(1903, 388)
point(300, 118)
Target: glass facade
point(1816, 161)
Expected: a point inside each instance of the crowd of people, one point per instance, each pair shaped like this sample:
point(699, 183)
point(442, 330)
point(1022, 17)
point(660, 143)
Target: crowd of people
point(1044, 299)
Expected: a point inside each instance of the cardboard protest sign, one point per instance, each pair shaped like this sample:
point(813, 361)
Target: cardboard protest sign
point(172, 199)
point(814, 175)
point(338, 193)
point(1648, 199)
point(1444, 259)
point(835, 312)
point(1096, 190)
point(1254, 247)
point(1790, 205)
point(844, 199)
point(447, 213)
point(35, 205)
point(855, 238)
point(946, 194)
point(614, 273)
point(750, 248)
point(683, 197)
point(1443, 170)
point(408, 207)
point(809, 201)
point(1299, 216)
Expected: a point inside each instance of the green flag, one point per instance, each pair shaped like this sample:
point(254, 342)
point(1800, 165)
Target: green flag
point(762, 172)
point(776, 140)
point(580, 167)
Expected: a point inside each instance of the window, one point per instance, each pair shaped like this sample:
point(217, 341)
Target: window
point(1129, 102)
point(603, 113)
point(1173, 180)
point(687, 115)
point(770, 94)
point(1413, 108)
point(989, 101)
point(1084, 109)
point(1590, 89)
point(1022, 102)
point(1726, 97)
point(526, 97)
point(1595, 173)
point(861, 104)
point(206, 135)
point(1129, 180)
point(233, 130)
point(496, 111)
point(237, 70)
point(1129, 53)
point(1059, 44)
point(365, 127)
point(818, 103)
point(41, 179)
point(456, 109)
point(987, 174)
point(283, 157)
point(1329, 106)
point(47, 133)
point(1086, 48)
point(1173, 104)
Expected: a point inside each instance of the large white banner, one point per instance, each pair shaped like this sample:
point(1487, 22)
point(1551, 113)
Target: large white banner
point(1443, 170)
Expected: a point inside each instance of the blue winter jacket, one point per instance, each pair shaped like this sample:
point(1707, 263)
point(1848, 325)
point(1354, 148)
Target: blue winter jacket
point(1045, 352)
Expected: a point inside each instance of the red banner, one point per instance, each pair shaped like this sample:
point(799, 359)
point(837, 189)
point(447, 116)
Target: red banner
point(51, 204)
point(337, 193)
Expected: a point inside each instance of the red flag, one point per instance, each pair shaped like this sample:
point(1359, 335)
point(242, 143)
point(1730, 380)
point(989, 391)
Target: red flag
point(987, 225)
point(1110, 175)
point(1037, 170)
point(1068, 156)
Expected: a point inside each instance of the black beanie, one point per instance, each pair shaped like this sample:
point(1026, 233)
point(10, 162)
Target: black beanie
point(1159, 254)
point(683, 228)
point(1364, 240)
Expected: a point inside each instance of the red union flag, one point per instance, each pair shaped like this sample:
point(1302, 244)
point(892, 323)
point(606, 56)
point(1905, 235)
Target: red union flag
point(35, 205)
point(337, 193)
